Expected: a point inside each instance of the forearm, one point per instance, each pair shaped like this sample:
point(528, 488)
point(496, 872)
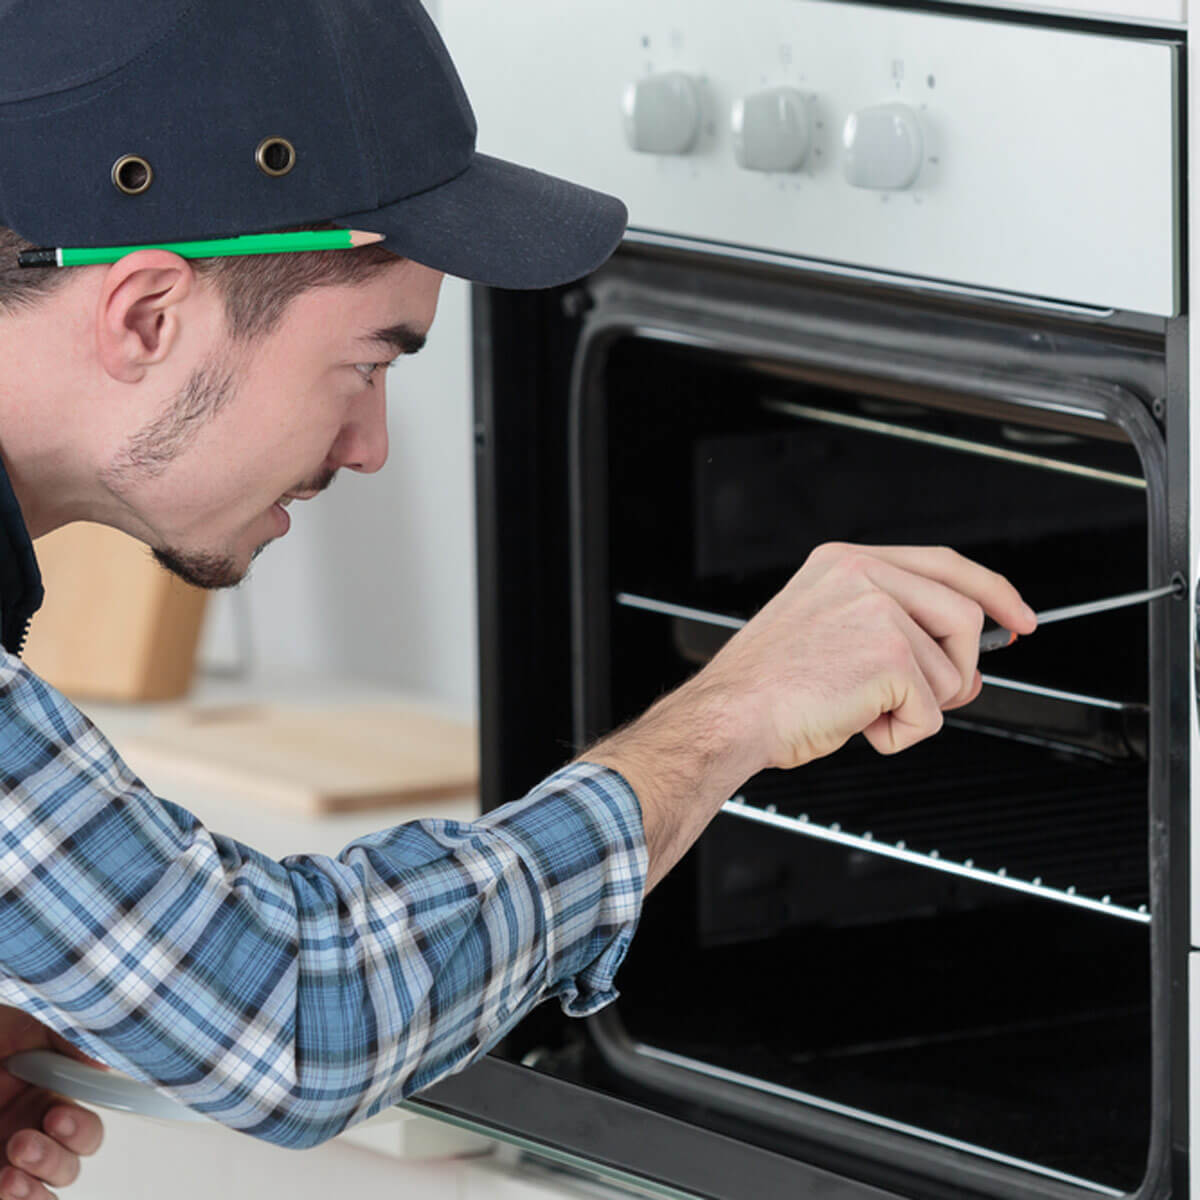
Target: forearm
point(684, 758)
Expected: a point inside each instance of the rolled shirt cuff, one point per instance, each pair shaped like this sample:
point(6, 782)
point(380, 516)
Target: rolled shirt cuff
point(581, 837)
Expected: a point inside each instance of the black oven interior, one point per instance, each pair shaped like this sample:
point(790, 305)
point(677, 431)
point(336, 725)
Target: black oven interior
point(794, 975)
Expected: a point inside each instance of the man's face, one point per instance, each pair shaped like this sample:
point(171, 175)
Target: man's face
point(259, 425)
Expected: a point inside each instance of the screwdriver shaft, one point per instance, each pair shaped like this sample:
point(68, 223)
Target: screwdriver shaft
point(997, 639)
point(1098, 606)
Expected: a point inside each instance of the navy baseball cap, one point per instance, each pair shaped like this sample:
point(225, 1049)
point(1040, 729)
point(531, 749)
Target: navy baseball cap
point(131, 121)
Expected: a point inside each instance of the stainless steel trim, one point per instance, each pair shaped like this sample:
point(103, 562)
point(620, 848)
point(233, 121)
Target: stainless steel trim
point(982, 449)
point(737, 807)
point(857, 1114)
point(648, 237)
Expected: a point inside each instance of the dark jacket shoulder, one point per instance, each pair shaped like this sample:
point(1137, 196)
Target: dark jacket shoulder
point(20, 580)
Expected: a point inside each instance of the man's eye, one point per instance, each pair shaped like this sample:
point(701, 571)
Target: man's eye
point(367, 370)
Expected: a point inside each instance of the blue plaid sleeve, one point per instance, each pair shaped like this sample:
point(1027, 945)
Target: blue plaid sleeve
point(289, 999)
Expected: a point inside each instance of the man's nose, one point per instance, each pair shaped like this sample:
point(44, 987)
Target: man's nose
point(362, 444)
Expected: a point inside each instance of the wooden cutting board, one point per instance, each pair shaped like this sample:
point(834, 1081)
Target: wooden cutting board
point(314, 760)
point(115, 625)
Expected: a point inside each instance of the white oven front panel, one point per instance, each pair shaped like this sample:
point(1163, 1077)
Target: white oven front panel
point(992, 155)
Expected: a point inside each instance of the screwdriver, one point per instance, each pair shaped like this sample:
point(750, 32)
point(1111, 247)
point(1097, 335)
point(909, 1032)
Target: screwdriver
point(997, 639)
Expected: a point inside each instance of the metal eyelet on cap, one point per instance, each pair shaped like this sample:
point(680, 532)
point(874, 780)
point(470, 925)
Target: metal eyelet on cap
point(132, 174)
point(275, 156)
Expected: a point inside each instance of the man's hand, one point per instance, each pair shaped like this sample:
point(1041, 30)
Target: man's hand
point(878, 640)
point(42, 1136)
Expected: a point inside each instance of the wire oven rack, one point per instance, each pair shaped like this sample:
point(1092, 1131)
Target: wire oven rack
point(1069, 831)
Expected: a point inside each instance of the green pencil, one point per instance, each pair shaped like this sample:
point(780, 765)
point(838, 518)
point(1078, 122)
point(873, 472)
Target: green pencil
point(254, 243)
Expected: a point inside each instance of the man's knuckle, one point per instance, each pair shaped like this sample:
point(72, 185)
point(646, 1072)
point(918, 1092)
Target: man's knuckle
point(827, 550)
point(877, 608)
point(895, 652)
point(950, 561)
point(855, 561)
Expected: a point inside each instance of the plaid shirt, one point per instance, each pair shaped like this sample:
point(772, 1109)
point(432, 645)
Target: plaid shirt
point(290, 999)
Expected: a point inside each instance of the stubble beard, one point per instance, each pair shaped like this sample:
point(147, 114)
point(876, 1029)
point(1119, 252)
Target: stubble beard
point(153, 448)
point(211, 571)
point(202, 569)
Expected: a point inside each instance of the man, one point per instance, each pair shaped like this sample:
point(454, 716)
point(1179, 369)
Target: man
point(188, 401)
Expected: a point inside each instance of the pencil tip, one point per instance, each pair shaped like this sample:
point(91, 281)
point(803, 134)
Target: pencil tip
point(359, 237)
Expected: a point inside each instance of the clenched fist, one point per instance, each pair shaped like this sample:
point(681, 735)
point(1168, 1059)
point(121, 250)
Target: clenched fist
point(878, 640)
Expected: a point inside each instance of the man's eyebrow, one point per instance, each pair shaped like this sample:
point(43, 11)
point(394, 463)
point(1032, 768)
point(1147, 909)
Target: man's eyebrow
point(402, 338)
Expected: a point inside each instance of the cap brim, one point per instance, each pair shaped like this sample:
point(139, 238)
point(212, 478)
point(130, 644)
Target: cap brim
point(502, 225)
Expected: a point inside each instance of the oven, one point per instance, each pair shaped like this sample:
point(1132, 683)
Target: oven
point(893, 275)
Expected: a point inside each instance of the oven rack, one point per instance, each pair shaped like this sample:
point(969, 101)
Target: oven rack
point(1002, 813)
point(1009, 816)
point(931, 859)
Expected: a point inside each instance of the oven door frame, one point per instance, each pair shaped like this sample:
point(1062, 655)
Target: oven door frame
point(527, 673)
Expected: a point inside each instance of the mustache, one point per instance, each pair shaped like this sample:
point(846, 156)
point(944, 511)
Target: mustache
point(318, 483)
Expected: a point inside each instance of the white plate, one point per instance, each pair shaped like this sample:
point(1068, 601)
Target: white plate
point(92, 1085)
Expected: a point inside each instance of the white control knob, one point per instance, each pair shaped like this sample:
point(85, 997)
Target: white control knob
point(883, 147)
point(771, 130)
point(662, 113)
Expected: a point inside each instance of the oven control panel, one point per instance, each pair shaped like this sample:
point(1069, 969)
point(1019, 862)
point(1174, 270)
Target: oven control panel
point(771, 129)
point(990, 155)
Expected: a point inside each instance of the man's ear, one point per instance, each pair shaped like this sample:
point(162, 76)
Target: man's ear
point(137, 314)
